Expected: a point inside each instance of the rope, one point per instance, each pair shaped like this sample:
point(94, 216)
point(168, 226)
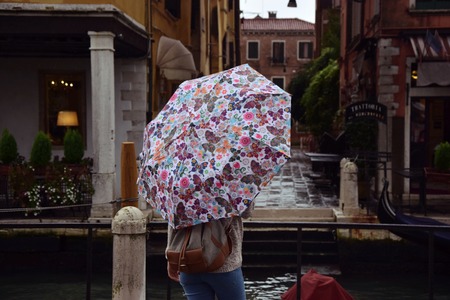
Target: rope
point(31, 209)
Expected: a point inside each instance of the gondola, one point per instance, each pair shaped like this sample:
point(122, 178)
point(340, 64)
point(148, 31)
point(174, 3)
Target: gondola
point(387, 214)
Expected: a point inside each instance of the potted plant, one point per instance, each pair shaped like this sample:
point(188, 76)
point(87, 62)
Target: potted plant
point(442, 157)
point(8, 151)
point(73, 147)
point(8, 155)
point(440, 172)
point(41, 151)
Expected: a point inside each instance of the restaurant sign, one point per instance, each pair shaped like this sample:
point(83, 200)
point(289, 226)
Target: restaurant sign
point(366, 110)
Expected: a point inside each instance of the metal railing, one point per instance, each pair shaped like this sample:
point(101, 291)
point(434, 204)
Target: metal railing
point(72, 225)
point(369, 226)
point(12, 205)
point(299, 226)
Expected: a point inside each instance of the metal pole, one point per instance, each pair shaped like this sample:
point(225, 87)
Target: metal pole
point(169, 289)
point(89, 264)
point(430, 264)
point(237, 32)
point(299, 263)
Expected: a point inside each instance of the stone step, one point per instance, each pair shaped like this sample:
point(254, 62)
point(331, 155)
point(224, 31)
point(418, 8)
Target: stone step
point(288, 214)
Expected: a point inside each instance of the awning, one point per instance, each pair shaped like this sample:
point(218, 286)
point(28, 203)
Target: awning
point(174, 60)
point(431, 46)
point(436, 72)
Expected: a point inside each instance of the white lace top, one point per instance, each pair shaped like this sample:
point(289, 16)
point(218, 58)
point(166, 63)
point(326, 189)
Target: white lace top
point(234, 260)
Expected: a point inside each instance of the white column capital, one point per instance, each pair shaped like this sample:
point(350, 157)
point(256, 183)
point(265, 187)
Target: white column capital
point(102, 40)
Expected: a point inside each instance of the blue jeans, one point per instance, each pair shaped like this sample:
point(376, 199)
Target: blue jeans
point(207, 286)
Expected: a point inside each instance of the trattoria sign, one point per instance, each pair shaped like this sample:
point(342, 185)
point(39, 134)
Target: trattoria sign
point(366, 110)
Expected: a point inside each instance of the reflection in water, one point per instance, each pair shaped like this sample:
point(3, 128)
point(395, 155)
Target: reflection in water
point(269, 287)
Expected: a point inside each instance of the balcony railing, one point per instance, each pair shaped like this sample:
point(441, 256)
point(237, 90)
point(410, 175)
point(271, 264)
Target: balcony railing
point(278, 61)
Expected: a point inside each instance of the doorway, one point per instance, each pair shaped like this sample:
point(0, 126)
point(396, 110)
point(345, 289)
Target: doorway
point(429, 127)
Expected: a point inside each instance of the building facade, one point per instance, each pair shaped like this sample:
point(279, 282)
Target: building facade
point(277, 48)
point(396, 53)
point(99, 60)
point(205, 29)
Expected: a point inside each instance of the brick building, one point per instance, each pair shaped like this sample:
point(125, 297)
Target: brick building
point(277, 48)
point(396, 53)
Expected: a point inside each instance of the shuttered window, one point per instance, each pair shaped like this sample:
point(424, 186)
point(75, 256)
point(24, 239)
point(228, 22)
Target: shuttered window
point(305, 50)
point(252, 50)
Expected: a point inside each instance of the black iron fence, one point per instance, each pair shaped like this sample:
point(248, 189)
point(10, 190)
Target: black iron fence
point(269, 225)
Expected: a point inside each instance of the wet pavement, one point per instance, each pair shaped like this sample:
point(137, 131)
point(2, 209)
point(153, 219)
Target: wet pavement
point(297, 186)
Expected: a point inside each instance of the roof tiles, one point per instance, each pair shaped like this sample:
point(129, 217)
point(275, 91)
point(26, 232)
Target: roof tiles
point(273, 24)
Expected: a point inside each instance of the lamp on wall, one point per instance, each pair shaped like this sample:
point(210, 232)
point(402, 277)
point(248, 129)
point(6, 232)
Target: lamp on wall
point(292, 3)
point(67, 118)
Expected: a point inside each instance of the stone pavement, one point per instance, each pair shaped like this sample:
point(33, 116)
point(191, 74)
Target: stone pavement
point(297, 187)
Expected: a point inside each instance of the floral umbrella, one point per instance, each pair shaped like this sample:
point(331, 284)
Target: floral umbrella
point(218, 140)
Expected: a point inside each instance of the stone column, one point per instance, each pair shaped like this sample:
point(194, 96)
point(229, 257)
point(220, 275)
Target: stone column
point(348, 200)
point(129, 231)
point(103, 122)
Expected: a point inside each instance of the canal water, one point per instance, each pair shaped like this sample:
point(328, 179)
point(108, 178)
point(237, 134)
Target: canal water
point(56, 285)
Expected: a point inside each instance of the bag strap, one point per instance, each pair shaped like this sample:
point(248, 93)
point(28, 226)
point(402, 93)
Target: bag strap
point(227, 230)
point(228, 227)
point(187, 236)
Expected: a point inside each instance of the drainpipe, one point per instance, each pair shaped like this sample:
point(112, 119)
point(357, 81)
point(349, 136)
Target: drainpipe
point(237, 32)
point(209, 37)
point(149, 23)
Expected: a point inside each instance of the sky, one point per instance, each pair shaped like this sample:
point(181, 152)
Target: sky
point(305, 9)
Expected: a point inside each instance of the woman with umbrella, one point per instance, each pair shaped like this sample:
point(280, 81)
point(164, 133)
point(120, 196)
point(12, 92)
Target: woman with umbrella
point(206, 156)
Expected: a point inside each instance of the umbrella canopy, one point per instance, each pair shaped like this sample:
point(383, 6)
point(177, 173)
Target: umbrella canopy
point(218, 140)
point(174, 59)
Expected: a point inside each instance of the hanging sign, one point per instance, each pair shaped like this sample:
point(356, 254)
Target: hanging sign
point(366, 110)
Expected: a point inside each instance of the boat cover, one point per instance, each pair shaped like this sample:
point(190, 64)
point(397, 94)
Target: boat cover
point(316, 286)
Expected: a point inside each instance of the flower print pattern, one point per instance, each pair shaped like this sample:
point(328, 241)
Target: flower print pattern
point(218, 140)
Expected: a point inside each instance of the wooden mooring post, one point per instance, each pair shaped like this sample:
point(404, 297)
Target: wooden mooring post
point(128, 177)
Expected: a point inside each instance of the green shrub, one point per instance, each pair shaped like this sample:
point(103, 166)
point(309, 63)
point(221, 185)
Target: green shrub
point(41, 152)
point(361, 135)
point(442, 157)
point(8, 148)
point(73, 147)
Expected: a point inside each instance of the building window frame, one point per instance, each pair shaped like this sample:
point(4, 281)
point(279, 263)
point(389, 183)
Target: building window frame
point(278, 79)
point(173, 7)
point(430, 4)
point(308, 49)
point(252, 47)
point(278, 52)
point(354, 21)
point(57, 94)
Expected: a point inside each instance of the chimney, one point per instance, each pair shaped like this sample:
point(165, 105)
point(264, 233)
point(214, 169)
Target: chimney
point(272, 14)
